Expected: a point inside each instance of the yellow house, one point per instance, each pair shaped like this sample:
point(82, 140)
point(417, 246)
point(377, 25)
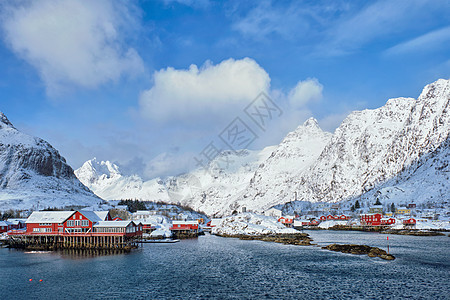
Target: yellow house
point(403, 211)
point(388, 214)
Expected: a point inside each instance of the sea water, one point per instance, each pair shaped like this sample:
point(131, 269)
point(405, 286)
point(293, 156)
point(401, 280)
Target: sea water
point(212, 267)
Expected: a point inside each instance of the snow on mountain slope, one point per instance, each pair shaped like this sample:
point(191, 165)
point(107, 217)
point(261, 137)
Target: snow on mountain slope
point(250, 224)
point(106, 181)
point(206, 190)
point(424, 182)
point(401, 144)
point(372, 146)
point(32, 172)
point(275, 180)
point(213, 192)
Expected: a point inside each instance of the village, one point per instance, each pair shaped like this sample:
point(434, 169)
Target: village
point(121, 229)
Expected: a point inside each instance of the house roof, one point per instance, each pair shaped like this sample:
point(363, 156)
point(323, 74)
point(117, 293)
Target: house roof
point(185, 222)
point(113, 223)
point(142, 212)
point(95, 216)
point(215, 222)
point(16, 221)
point(49, 216)
point(4, 223)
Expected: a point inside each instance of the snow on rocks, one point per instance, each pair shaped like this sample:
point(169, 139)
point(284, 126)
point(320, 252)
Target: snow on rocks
point(331, 223)
point(250, 224)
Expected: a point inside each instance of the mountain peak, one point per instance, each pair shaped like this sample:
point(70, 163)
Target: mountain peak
point(440, 87)
point(4, 121)
point(311, 122)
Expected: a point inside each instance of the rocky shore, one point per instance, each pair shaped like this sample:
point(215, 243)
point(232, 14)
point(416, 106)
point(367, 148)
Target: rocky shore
point(413, 232)
point(300, 239)
point(360, 250)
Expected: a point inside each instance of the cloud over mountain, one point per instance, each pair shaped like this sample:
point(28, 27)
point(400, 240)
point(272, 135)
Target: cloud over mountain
point(210, 89)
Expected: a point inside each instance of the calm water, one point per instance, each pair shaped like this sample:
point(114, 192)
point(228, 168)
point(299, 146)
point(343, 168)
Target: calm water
point(214, 267)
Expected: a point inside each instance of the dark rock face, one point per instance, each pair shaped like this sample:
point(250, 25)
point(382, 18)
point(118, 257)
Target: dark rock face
point(32, 171)
point(360, 250)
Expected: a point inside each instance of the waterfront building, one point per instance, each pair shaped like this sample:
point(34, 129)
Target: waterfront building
point(371, 219)
point(76, 230)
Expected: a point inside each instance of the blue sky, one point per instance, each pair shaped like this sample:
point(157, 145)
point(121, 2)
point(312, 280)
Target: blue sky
point(149, 84)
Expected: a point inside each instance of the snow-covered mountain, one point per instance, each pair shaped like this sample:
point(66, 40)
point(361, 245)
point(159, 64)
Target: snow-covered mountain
point(214, 191)
point(276, 178)
point(34, 175)
point(401, 146)
point(106, 181)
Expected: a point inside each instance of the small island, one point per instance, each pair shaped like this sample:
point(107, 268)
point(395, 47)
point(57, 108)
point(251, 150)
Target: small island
point(360, 250)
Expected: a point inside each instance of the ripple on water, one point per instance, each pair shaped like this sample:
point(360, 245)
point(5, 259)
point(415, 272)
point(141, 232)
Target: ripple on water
point(214, 267)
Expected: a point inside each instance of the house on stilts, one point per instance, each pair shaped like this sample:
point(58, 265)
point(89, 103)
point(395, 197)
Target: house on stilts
point(53, 230)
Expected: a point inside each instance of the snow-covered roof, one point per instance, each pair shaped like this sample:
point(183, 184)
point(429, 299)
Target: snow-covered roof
point(4, 223)
point(49, 216)
point(215, 222)
point(100, 214)
point(91, 215)
point(274, 209)
point(16, 221)
point(124, 207)
point(113, 223)
point(142, 212)
point(185, 222)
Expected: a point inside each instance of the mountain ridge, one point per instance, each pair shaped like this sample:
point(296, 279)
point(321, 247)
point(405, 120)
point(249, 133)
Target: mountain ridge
point(366, 152)
point(32, 171)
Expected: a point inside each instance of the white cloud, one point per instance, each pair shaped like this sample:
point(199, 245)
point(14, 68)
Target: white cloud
point(210, 90)
point(72, 43)
point(378, 21)
point(428, 42)
point(305, 91)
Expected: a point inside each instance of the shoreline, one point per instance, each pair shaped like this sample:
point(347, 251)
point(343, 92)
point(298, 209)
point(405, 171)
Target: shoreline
point(303, 239)
point(299, 239)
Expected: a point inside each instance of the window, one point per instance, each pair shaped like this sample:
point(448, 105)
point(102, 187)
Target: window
point(84, 223)
point(77, 223)
point(36, 229)
point(81, 217)
point(70, 223)
point(48, 230)
point(45, 224)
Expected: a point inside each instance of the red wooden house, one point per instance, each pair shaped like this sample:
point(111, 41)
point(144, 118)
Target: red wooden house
point(191, 226)
point(410, 221)
point(64, 222)
point(117, 228)
point(78, 229)
point(387, 221)
point(371, 219)
point(5, 226)
point(287, 221)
